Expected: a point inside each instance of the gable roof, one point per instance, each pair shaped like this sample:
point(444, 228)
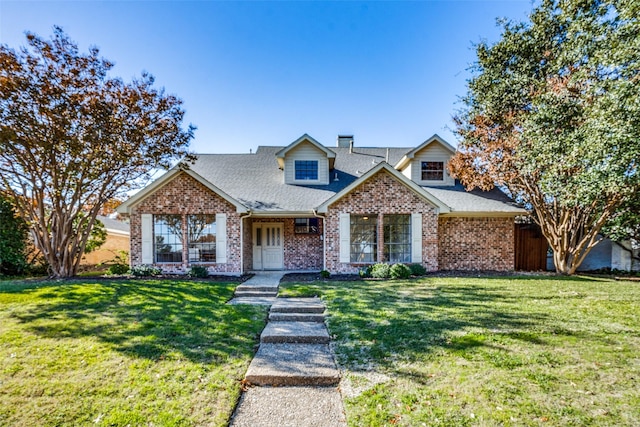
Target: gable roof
point(442, 208)
point(253, 183)
point(435, 138)
point(126, 206)
point(280, 155)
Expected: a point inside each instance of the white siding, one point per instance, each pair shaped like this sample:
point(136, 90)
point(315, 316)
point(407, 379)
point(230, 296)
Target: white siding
point(345, 237)
point(434, 152)
point(221, 238)
point(146, 232)
point(306, 151)
point(416, 238)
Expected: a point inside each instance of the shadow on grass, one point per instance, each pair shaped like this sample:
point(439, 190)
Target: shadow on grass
point(382, 323)
point(147, 319)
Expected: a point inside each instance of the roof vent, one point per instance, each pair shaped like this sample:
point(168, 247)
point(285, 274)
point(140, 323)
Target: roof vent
point(345, 141)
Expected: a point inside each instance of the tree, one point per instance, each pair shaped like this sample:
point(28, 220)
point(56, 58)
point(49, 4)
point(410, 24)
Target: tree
point(13, 240)
point(551, 116)
point(72, 138)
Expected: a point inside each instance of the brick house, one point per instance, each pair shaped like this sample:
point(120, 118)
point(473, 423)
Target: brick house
point(309, 207)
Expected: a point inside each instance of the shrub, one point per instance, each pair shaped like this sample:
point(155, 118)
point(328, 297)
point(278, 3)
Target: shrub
point(380, 271)
point(417, 270)
point(399, 271)
point(325, 274)
point(145, 270)
point(118, 269)
point(198, 271)
point(364, 272)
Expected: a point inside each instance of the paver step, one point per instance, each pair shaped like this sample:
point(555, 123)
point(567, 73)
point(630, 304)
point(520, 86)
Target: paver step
point(293, 364)
point(296, 317)
point(257, 288)
point(298, 305)
point(241, 294)
point(295, 332)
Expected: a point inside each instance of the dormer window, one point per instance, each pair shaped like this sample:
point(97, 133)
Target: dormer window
point(433, 171)
point(306, 170)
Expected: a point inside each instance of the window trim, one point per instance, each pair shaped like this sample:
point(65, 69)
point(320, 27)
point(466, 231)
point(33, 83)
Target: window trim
point(424, 164)
point(305, 166)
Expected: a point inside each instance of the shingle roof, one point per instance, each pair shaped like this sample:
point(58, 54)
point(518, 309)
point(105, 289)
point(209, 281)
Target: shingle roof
point(256, 181)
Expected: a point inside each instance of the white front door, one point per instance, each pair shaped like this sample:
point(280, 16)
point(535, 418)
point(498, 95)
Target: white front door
point(268, 246)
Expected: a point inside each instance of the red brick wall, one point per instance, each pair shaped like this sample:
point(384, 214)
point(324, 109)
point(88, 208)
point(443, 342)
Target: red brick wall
point(381, 194)
point(184, 195)
point(476, 244)
point(301, 251)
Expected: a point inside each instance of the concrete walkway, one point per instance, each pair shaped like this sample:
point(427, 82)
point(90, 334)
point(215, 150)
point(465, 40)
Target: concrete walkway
point(293, 377)
point(261, 289)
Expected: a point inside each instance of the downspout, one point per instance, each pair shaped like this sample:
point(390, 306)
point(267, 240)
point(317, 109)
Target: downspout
point(324, 238)
point(242, 218)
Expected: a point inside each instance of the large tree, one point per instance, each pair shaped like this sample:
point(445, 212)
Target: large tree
point(72, 138)
point(552, 115)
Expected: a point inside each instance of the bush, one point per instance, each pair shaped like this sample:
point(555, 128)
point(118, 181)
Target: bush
point(325, 274)
point(145, 270)
point(417, 270)
point(399, 271)
point(380, 271)
point(198, 271)
point(118, 269)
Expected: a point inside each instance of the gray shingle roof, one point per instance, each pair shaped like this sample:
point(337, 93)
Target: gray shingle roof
point(256, 181)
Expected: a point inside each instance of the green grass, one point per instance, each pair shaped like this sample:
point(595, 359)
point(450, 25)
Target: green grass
point(116, 353)
point(527, 351)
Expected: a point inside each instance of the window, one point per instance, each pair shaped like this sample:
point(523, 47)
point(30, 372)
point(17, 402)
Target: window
point(364, 238)
point(397, 238)
point(167, 238)
point(201, 238)
point(306, 169)
point(433, 171)
point(306, 225)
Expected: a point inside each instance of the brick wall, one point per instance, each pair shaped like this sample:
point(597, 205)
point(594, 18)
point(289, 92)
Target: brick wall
point(301, 251)
point(183, 195)
point(381, 194)
point(476, 244)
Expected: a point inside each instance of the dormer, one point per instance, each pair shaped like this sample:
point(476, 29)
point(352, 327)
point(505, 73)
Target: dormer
point(306, 162)
point(427, 163)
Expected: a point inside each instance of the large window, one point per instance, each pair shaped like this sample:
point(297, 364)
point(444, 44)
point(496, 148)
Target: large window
point(397, 238)
point(306, 169)
point(201, 238)
point(364, 238)
point(433, 171)
point(167, 238)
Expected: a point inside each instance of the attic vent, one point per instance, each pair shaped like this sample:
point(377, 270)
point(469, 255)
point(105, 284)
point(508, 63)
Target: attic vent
point(345, 141)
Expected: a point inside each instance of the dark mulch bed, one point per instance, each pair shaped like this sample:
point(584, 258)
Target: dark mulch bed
point(312, 277)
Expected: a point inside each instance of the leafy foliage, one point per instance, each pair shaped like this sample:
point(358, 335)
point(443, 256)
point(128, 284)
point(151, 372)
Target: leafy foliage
point(145, 271)
point(380, 271)
point(417, 269)
point(73, 139)
point(13, 240)
point(551, 117)
point(198, 271)
point(399, 271)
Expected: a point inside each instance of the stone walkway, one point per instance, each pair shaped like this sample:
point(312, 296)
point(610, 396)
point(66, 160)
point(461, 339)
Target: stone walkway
point(293, 377)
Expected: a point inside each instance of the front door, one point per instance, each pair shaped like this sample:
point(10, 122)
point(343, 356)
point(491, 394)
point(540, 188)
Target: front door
point(268, 246)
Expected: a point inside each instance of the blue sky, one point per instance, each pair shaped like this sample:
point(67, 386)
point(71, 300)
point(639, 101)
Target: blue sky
point(265, 72)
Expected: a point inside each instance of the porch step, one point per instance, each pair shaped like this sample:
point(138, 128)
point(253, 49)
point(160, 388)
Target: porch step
point(259, 294)
point(296, 317)
point(256, 288)
point(298, 305)
point(293, 365)
point(295, 332)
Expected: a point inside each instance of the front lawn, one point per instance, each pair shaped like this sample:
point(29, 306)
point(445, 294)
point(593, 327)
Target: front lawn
point(535, 351)
point(101, 352)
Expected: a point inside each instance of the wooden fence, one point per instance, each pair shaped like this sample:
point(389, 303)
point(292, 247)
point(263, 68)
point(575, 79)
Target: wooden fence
point(530, 248)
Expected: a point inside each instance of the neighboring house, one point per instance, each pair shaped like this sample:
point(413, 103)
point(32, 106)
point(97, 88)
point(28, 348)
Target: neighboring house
point(117, 240)
point(309, 207)
point(608, 255)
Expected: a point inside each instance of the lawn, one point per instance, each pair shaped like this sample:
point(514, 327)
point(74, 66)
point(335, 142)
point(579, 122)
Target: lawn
point(521, 351)
point(137, 352)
